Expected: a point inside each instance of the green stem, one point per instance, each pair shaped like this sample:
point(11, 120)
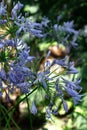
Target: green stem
point(30, 118)
point(10, 119)
point(20, 100)
point(5, 116)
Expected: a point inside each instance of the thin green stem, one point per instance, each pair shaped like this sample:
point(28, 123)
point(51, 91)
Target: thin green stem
point(19, 101)
point(5, 116)
point(30, 118)
point(10, 119)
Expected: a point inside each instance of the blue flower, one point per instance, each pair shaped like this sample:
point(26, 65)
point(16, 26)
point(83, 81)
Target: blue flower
point(1, 44)
point(62, 62)
point(33, 109)
point(25, 25)
point(68, 66)
point(45, 21)
point(24, 56)
point(22, 24)
point(77, 98)
point(73, 85)
point(1, 87)
point(65, 34)
point(43, 77)
point(24, 87)
point(36, 32)
point(72, 89)
point(59, 18)
point(74, 44)
point(17, 75)
point(2, 74)
point(11, 43)
point(58, 89)
point(1, 94)
point(3, 22)
point(68, 26)
point(48, 113)
point(71, 92)
point(71, 68)
point(36, 29)
point(16, 9)
point(65, 105)
point(2, 9)
point(55, 111)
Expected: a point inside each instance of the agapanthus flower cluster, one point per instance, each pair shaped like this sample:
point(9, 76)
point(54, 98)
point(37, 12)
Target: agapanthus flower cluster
point(66, 34)
point(16, 62)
